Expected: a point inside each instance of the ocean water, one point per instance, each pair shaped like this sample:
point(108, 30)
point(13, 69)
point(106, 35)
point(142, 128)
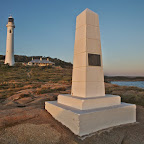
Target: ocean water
point(139, 84)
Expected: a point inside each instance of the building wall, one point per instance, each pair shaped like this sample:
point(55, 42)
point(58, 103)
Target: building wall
point(40, 64)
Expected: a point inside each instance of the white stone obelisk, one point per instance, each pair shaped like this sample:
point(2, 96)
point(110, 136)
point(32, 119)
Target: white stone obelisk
point(88, 109)
point(9, 58)
point(88, 77)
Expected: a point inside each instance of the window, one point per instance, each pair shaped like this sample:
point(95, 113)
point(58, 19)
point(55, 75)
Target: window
point(94, 60)
point(10, 20)
point(9, 31)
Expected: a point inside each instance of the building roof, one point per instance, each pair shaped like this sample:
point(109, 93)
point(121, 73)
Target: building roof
point(10, 16)
point(41, 61)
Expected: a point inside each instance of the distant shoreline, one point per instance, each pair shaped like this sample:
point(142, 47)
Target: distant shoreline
point(139, 84)
point(123, 78)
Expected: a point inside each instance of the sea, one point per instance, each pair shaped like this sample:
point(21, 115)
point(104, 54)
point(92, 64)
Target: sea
point(139, 84)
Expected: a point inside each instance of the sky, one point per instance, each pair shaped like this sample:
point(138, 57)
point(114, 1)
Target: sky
point(47, 28)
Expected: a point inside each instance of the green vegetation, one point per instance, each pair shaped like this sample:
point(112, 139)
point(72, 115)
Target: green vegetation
point(44, 80)
point(128, 94)
point(26, 59)
point(48, 90)
point(14, 79)
point(33, 74)
point(25, 95)
point(123, 78)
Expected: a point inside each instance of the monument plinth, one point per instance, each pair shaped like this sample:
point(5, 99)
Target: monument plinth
point(88, 109)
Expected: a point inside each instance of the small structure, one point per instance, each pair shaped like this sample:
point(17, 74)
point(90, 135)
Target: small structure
point(88, 109)
point(41, 62)
point(9, 58)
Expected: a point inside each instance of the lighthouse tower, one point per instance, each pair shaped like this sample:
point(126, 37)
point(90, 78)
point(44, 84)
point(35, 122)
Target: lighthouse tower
point(9, 58)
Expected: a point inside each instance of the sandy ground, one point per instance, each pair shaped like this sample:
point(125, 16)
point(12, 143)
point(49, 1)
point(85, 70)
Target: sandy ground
point(25, 121)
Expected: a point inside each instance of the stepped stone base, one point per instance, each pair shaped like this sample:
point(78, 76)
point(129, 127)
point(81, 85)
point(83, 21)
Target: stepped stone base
point(88, 103)
point(83, 122)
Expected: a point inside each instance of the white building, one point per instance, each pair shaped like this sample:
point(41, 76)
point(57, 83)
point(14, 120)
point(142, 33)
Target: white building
point(9, 58)
point(41, 62)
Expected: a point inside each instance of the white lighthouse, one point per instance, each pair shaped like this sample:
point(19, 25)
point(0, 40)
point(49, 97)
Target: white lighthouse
point(9, 58)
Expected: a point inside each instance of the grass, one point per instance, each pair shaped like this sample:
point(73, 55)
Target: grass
point(14, 79)
point(129, 94)
point(25, 95)
point(34, 74)
point(44, 90)
point(6, 85)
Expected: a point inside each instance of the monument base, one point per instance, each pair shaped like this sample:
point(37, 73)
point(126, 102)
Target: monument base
point(83, 122)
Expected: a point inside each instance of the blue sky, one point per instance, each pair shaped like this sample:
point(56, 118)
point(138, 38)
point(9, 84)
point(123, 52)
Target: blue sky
point(47, 28)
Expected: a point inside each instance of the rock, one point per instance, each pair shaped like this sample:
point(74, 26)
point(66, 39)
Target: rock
point(17, 115)
point(35, 125)
point(25, 100)
point(30, 134)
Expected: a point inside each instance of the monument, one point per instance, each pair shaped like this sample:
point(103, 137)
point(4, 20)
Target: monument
point(9, 58)
point(88, 109)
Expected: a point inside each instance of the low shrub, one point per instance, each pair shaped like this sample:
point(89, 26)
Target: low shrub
point(25, 95)
point(128, 94)
point(44, 90)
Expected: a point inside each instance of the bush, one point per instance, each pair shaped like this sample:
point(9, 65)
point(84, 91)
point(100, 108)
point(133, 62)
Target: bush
point(60, 89)
point(25, 95)
point(42, 91)
point(128, 94)
point(18, 64)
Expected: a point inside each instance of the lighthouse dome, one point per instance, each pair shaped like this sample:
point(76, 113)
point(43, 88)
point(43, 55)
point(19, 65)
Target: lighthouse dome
point(11, 19)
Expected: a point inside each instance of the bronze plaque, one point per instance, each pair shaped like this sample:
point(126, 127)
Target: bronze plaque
point(94, 60)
